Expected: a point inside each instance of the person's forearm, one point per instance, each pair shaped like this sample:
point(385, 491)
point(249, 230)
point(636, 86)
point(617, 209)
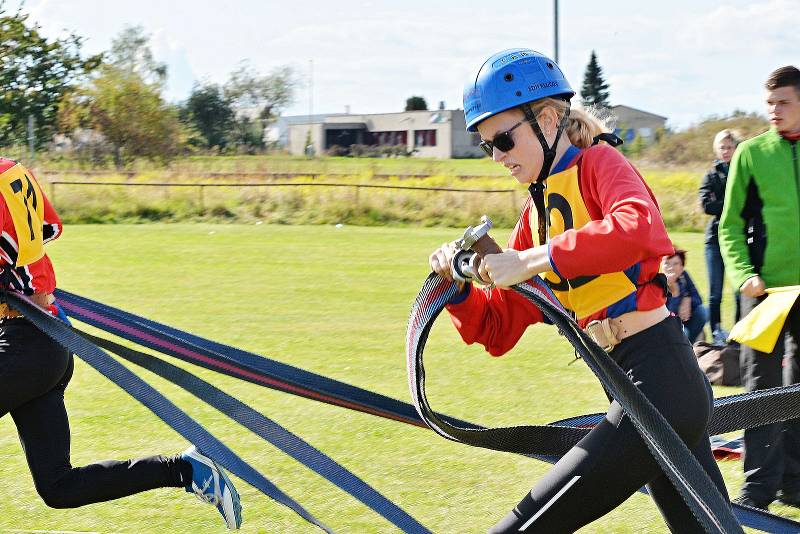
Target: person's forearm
point(537, 260)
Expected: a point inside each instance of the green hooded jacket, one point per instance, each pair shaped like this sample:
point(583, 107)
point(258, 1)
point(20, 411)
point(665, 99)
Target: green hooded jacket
point(759, 230)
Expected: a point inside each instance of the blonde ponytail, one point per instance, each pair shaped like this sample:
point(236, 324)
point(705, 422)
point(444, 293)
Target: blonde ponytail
point(583, 123)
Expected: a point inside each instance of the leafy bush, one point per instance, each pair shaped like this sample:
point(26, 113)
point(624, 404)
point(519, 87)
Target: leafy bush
point(371, 151)
point(676, 192)
point(693, 146)
point(338, 151)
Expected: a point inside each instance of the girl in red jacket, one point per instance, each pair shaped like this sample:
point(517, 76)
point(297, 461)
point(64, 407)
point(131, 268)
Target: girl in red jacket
point(592, 229)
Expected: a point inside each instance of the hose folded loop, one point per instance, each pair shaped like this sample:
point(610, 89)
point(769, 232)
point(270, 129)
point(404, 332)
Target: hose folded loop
point(712, 511)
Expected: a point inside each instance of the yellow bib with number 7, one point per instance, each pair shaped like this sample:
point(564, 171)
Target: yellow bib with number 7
point(24, 200)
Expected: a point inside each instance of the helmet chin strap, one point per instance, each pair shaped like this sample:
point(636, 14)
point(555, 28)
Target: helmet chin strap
point(549, 151)
point(537, 188)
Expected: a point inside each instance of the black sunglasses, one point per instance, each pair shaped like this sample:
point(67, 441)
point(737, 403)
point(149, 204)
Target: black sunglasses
point(503, 141)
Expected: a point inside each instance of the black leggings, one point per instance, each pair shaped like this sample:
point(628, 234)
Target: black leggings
point(34, 372)
point(612, 461)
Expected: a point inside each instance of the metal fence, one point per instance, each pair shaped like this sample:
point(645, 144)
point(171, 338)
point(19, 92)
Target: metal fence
point(311, 175)
point(201, 187)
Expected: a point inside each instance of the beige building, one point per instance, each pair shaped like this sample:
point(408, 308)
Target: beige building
point(632, 123)
point(437, 133)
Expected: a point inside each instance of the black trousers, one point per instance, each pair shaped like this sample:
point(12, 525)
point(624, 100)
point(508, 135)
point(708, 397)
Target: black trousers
point(34, 372)
point(612, 461)
point(772, 452)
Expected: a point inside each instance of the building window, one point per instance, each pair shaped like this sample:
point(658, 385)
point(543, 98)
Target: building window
point(424, 137)
point(343, 138)
point(389, 138)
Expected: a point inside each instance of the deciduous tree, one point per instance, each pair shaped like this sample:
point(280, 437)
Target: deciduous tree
point(257, 100)
point(130, 51)
point(133, 117)
point(35, 73)
point(415, 103)
point(210, 112)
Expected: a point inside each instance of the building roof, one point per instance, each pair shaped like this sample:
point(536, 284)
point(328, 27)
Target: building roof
point(638, 111)
point(304, 119)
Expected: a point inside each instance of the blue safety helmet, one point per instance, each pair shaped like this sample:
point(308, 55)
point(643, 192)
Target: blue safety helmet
point(509, 79)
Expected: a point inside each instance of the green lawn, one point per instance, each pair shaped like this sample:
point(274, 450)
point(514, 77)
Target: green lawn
point(332, 301)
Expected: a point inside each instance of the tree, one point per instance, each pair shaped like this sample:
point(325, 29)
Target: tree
point(263, 96)
point(129, 113)
point(208, 110)
point(123, 104)
point(595, 90)
point(248, 133)
point(130, 51)
point(35, 73)
point(257, 100)
point(415, 103)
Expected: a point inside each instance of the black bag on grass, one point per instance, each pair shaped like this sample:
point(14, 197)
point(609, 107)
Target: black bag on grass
point(720, 363)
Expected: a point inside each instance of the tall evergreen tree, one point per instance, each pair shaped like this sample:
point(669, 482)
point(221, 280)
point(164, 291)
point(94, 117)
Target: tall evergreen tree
point(595, 89)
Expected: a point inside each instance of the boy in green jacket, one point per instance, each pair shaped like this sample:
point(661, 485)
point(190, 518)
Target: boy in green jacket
point(759, 235)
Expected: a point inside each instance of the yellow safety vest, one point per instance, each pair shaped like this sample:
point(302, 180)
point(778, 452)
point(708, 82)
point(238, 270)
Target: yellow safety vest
point(565, 209)
point(23, 197)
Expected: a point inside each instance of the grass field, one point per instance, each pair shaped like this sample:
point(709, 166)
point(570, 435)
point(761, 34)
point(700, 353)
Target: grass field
point(281, 163)
point(335, 302)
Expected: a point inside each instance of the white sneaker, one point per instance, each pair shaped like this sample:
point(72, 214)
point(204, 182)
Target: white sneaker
point(211, 484)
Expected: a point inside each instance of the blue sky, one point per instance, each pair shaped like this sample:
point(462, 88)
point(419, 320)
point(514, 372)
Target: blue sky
point(681, 59)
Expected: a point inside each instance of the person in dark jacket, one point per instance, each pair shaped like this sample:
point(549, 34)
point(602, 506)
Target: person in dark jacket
point(712, 196)
point(684, 300)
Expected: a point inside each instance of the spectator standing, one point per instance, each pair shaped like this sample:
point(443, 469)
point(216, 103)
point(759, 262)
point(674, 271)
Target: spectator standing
point(712, 196)
point(684, 300)
point(759, 235)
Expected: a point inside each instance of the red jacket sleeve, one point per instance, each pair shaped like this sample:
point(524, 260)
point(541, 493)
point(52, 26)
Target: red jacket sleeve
point(627, 226)
point(497, 318)
point(5, 164)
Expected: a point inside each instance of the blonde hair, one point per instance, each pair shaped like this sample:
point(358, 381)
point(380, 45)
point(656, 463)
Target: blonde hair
point(724, 135)
point(583, 123)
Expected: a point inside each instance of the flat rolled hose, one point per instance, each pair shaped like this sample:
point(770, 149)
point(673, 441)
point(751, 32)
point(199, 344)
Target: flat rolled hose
point(712, 511)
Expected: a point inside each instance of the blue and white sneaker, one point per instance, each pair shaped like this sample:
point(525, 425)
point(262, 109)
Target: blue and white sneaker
point(211, 484)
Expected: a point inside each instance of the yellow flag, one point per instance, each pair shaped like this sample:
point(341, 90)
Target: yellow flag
point(762, 326)
point(24, 200)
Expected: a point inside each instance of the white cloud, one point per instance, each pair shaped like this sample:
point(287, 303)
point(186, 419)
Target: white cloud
point(684, 59)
